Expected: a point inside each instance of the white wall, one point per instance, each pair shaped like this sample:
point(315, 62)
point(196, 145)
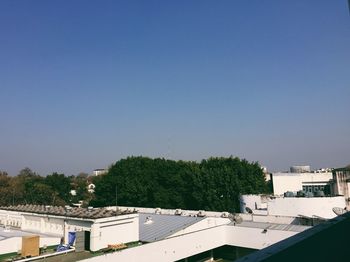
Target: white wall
point(43, 224)
point(283, 182)
point(11, 218)
point(250, 201)
point(254, 238)
point(115, 230)
point(294, 206)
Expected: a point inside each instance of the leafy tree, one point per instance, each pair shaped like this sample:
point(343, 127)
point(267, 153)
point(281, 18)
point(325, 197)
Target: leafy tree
point(5, 188)
point(61, 185)
point(213, 184)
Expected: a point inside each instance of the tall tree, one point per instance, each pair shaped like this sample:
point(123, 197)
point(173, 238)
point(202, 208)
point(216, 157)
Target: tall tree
point(213, 184)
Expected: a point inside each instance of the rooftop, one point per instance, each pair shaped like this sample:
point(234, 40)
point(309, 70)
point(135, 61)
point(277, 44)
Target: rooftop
point(325, 242)
point(75, 212)
point(155, 227)
point(273, 226)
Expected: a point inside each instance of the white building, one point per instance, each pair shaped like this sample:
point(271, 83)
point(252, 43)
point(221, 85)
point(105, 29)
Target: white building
point(170, 235)
point(100, 171)
point(102, 226)
point(300, 169)
point(294, 182)
point(305, 194)
point(166, 235)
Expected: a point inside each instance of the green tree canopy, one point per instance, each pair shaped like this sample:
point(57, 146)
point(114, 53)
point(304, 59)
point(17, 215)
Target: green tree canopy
point(212, 184)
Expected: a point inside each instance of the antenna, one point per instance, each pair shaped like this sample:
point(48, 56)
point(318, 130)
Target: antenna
point(339, 211)
point(169, 151)
point(116, 199)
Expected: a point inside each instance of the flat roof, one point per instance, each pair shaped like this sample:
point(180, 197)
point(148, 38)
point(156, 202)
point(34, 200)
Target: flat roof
point(74, 212)
point(161, 226)
point(272, 226)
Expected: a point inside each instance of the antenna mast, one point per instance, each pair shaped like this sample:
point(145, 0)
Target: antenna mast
point(116, 199)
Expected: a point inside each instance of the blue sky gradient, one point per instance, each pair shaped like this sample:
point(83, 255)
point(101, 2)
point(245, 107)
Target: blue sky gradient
point(85, 83)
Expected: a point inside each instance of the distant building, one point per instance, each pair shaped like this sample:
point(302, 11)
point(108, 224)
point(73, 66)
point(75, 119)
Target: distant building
point(306, 181)
point(98, 172)
point(300, 169)
point(91, 188)
point(308, 194)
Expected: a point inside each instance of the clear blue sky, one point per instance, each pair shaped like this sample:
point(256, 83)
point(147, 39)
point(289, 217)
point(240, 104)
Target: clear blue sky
point(85, 83)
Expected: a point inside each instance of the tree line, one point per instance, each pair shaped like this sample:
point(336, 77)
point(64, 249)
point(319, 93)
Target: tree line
point(212, 184)
point(29, 187)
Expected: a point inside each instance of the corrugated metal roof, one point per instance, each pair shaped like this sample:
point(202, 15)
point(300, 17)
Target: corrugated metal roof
point(163, 226)
point(273, 226)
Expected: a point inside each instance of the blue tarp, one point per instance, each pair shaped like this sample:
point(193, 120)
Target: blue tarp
point(71, 238)
point(62, 247)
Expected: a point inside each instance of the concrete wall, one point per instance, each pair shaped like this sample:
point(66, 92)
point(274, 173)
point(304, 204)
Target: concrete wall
point(315, 206)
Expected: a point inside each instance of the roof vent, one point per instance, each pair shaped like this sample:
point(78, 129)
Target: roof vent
point(148, 220)
point(201, 213)
point(225, 214)
point(178, 212)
